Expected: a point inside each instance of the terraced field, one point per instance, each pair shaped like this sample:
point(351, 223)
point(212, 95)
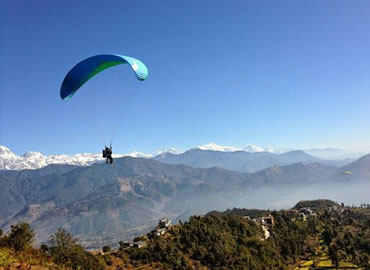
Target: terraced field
point(323, 262)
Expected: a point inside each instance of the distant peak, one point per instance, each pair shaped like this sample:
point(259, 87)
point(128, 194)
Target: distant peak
point(253, 148)
point(171, 150)
point(216, 147)
point(138, 154)
point(4, 150)
point(247, 148)
point(365, 158)
point(32, 154)
point(297, 152)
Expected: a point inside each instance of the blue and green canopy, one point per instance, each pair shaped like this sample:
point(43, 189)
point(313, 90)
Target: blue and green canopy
point(88, 68)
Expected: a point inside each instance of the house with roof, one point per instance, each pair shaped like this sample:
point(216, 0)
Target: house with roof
point(139, 244)
point(268, 221)
point(164, 225)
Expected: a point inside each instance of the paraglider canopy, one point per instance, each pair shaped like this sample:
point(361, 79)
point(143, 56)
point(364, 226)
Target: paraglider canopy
point(91, 66)
point(348, 173)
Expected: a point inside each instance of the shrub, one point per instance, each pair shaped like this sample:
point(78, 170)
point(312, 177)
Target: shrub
point(67, 252)
point(5, 259)
point(20, 237)
point(106, 249)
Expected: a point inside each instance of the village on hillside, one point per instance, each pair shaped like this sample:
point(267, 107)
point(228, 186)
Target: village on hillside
point(266, 222)
point(164, 225)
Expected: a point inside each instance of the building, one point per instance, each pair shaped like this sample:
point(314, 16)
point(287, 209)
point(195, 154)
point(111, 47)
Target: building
point(127, 244)
point(308, 212)
point(302, 217)
point(335, 208)
point(268, 221)
point(164, 223)
point(305, 209)
point(139, 244)
point(158, 232)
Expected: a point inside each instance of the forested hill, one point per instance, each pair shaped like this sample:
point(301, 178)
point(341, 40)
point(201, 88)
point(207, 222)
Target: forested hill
point(315, 204)
point(324, 238)
point(252, 213)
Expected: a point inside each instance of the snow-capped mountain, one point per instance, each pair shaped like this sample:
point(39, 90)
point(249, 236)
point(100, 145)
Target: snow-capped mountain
point(171, 150)
point(36, 160)
point(221, 148)
point(247, 148)
point(253, 148)
point(137, 154)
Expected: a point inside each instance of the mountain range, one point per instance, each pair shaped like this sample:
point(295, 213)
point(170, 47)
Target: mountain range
point(249, 158)
point(242, 161)
point(36, 160)
point(101, 203)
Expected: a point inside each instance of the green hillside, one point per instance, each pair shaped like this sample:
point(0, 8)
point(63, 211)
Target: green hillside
point(325, 239)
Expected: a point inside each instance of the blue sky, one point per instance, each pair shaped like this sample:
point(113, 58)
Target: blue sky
point(272, 73)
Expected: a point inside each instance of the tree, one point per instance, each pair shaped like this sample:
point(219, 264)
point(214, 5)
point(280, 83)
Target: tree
point(62, 245)
point(20, 237)
point(327, 235)
point(66, 251)
point(1, 238)
point(44, 248)
point(333, 253)
point(121, 245)
point(106, 249)
point(365, 260)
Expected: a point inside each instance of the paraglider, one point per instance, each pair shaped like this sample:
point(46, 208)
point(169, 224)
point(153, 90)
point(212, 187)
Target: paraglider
point(348, 173)
point(107, 153)
point(88, 68)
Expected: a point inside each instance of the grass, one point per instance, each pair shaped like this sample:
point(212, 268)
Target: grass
point(5, 258)
point(347, 264)
point(28, 259)
point(326, 264)
point(306, 263)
